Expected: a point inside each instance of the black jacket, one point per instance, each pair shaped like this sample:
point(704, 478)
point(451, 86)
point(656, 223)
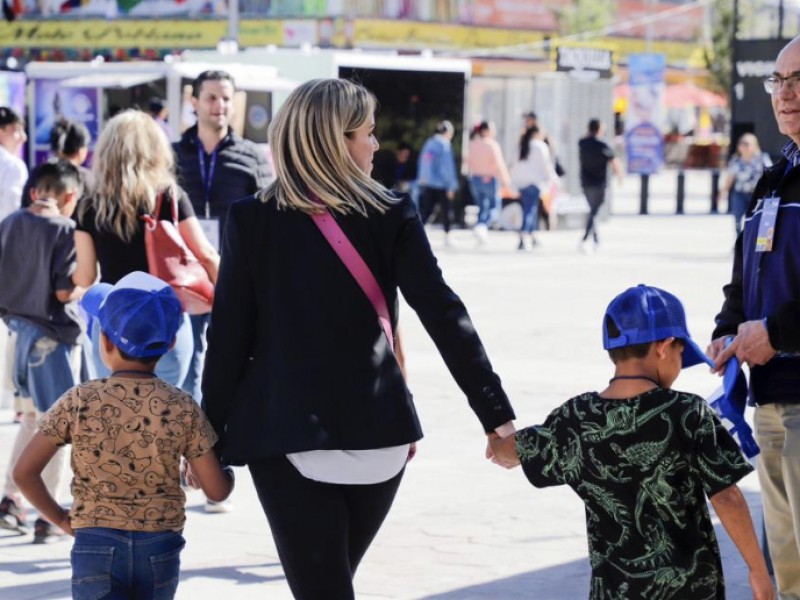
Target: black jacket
point(241, 170)
point(297, 359)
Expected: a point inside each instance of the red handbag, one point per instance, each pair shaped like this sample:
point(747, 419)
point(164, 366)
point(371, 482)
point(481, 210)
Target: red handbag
point(171, 260)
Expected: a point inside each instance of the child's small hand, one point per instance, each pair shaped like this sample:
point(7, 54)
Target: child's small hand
point(65, 524)
point(761, 583)
point(503, 450)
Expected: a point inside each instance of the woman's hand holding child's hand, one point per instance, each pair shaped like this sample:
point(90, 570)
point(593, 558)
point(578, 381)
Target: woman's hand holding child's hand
point(503, 450)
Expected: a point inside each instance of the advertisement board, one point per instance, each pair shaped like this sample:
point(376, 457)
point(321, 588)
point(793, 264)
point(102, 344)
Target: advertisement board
point(644, 141)
point(53, 102)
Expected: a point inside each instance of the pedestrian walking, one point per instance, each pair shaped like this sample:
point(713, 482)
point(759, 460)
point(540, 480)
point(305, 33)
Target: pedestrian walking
point(37, 257)
point(134, 164)
point(533, 175)
point(745, 168)
point(13, 172)
point(487, 173)
point(595, 157)
point(759, 324)
point(301, 379)
point(128, 433)
point(216, 167)
point(650, 534)
point(436, 170)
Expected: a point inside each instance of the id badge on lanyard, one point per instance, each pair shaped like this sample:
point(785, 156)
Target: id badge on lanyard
point(210, 225)
point(766, 226)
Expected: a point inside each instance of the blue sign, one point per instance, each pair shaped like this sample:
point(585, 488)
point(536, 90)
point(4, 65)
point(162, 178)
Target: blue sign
point(643, 138)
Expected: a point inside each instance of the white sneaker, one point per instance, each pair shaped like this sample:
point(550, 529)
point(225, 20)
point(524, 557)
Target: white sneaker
point(225, 506)
point(482, 233)
point(448, 240)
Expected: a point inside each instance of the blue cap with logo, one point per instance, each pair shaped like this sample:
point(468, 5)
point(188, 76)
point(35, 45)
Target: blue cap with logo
point(140, 314)
point(645, 314)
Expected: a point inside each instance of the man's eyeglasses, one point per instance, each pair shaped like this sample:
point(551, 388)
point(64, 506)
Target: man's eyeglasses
point(773, 83)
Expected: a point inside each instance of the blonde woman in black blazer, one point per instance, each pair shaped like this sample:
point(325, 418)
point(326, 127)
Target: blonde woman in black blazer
point(300, 382)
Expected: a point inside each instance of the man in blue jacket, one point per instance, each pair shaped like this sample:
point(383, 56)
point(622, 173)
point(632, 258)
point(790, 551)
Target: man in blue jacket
point(761, 318)
point(437, 178)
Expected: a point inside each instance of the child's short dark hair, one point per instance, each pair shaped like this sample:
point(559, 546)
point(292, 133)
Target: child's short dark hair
point(625, 352)
point(56, 177)
point(149, 361)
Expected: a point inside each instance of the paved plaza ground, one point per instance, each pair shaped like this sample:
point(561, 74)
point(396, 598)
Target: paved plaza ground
point(462, 528)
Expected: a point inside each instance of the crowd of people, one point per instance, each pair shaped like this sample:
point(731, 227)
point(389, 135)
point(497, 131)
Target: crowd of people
point(106, 360)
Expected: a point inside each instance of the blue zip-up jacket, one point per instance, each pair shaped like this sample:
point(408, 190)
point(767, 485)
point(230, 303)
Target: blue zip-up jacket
point(766, 285)
point(436, 167)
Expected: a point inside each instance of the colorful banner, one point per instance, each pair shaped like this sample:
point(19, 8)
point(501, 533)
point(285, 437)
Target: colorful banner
point(643, 138)
point(12, 90)
point(151, 35)
point(52, 102)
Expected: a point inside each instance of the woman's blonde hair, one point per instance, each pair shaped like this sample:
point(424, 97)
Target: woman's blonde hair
point(751, 139)
point(309, 150)
point(132, 161)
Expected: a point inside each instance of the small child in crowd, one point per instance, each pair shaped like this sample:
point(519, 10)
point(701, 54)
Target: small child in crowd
point(128, 433)
point(37, 257)
point(642, 457)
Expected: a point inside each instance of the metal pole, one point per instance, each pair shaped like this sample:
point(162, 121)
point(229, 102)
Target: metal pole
point(780, 20)
point(644, 194)
point(233, 21)
point(714, 191)
point(681, 193)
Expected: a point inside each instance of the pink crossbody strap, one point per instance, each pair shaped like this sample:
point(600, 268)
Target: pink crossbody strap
point(358, 268)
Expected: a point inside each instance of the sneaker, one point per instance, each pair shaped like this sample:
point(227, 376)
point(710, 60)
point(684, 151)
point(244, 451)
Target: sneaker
point(481, 233)
point(45, 532)
point(218, 507)
point(448, 240)
point(525, 245)
point(12, 516)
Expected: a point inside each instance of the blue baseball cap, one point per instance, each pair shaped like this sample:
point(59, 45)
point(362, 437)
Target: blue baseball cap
point(140, 314)
point(645, 314)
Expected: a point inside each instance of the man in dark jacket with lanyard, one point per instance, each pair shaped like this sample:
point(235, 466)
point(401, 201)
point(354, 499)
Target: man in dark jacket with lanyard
point(760, 320)
point(216, 167)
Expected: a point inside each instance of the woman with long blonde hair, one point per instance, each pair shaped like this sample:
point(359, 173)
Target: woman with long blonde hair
point(133, 163)
point(301, 382)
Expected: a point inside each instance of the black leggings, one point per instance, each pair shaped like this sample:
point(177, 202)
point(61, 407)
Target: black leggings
point(595, 196)
point(428, 199)
point(321, 530)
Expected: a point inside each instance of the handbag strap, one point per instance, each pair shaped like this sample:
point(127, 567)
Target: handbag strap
point(345, 250)
point(173, 201)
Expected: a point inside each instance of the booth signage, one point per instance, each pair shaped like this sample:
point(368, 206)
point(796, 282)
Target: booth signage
point(643, 137)
point(597, 60)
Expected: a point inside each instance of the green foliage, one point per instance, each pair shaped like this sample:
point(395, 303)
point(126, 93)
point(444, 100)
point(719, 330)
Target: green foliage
point(579, 16)
point(719, 57)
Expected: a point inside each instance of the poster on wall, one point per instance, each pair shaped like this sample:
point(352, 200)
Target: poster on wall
point(644, 142)
point(53, 102)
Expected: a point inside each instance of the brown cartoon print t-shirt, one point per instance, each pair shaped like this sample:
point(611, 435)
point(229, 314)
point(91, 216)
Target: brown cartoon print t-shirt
point(127, 436)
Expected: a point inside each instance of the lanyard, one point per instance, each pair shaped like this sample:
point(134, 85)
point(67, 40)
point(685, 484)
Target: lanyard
point(207, 175)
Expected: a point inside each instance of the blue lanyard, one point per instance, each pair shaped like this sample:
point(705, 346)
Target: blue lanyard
point(207, 175)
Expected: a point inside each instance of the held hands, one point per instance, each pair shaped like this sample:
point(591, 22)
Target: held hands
point(502, 446)
point(751, 345)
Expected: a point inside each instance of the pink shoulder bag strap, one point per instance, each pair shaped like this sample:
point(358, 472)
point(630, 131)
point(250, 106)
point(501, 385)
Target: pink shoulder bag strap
point(333, 233)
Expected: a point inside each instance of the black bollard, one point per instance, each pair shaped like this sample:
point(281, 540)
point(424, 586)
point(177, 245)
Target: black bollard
point(714, 191)
point(681, 196)
point(643, 195)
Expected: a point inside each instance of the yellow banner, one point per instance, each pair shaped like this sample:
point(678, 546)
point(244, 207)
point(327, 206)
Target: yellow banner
point(408, 34)
point(112, 34)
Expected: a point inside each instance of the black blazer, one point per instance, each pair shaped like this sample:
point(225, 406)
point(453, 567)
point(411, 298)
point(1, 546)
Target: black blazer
point(296, 357)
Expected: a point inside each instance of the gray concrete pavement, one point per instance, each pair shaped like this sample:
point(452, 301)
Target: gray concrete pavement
point(462, 528)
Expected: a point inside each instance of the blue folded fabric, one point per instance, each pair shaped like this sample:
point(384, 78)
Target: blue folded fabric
point(730, 405)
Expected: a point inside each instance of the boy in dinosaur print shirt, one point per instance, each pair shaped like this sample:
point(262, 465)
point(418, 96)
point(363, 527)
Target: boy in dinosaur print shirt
point(643, 458)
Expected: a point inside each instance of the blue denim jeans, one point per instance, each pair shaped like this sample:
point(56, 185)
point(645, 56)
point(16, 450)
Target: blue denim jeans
point(739, 202)
point(195, 375)
point(529, 196)
point(172, 367)
point(44, 368)
point(112, 564)
point(484, 193)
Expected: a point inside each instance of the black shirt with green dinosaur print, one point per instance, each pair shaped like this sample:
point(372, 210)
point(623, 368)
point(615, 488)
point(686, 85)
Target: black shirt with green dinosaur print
point(642, 467)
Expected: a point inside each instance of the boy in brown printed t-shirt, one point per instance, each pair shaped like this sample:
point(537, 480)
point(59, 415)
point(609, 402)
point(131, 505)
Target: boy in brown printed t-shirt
point(128, 434)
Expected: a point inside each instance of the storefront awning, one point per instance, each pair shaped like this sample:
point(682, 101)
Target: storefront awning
point(111, 80)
